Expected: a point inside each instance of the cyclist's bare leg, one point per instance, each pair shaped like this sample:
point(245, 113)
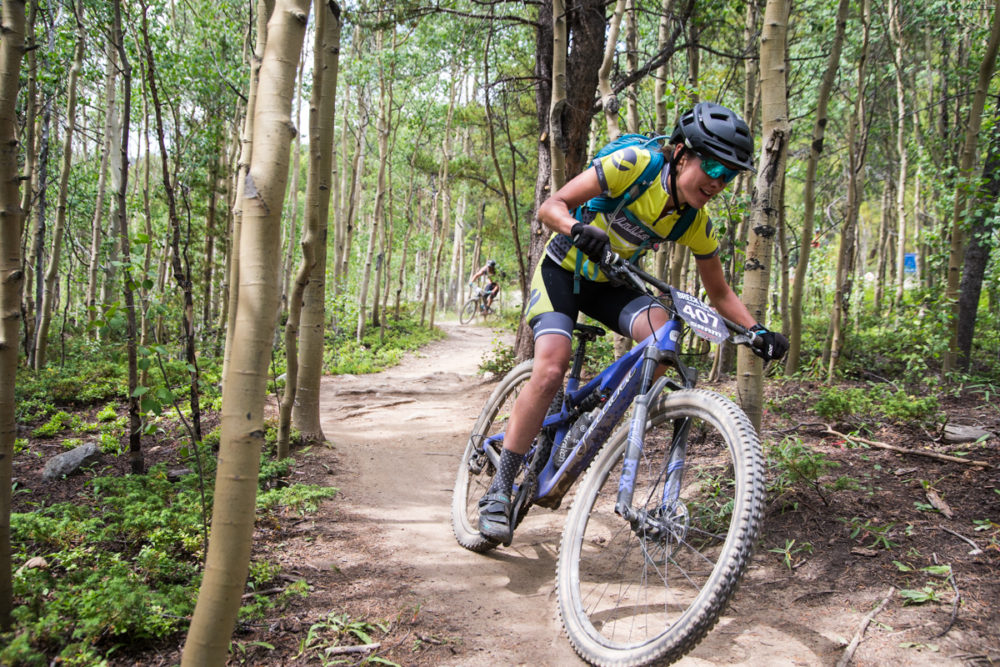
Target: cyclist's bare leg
point(552, 355)
point(646, 323)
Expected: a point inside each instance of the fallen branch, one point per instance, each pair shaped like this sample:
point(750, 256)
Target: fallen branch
point(903, 450)
point(976, 550)
point(359, 648)
point(853, 646)
point(266, 591)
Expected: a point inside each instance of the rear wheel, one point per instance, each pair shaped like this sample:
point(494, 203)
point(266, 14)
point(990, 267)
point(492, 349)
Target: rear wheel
point(475, 470)
point(649, 590)
point(468, 312)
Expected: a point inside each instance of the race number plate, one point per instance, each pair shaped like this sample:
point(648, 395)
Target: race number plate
point(701, 317)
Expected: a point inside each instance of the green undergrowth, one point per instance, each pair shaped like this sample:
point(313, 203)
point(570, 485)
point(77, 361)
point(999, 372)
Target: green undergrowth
point(380, 348)
point(877, 404)
point(119, 566)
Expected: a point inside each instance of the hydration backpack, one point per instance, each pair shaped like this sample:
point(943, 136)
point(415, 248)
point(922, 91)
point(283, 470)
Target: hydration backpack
point(612, 206)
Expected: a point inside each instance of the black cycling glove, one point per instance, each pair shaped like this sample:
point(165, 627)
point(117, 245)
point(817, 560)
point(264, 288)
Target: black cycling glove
point(773, 346)
point(592, 241)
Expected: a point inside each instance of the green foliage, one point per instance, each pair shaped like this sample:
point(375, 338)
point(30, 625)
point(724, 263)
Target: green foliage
point(84, 382)
point(58, 423)
point(499, 360)
point(862, 406)
point(792, 463)
point(344, 355)
point(339, 630)
point(124, 563)
point(300, 498)
point(870, 528)
point(789, 551)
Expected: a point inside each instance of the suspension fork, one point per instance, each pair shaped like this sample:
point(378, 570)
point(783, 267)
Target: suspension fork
point(674, 467)
point(637, 432)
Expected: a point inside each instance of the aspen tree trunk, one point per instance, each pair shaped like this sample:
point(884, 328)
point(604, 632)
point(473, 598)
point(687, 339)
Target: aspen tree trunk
point(366, 271)
point(348, 179)
point(445, 194)
point(211, 222)
point(896, 32)
point(181, 269)
point(12, 22)
point(353, 203)
point(292, 219)
point(967, 162)
point(882, 243)
point(383, 123)
point(609, 101)
point(243, 392)
point(136, 462)
point(509, 197)
point(809, 191)
point(48, 299)
point(34, 265)
point(303, 372)
point(265, 8)
point(305, 408)
point(428, 290)
point(632, 63)
point(856, 140)
point(30, 117)
point(764, 209)
point(96, 227)
point(557, 139)
point(405, 254)
point(662, 256)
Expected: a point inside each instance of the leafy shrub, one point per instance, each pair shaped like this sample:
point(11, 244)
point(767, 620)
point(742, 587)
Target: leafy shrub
point(499, 360)
point(343, 354)
point(792, 463)
point(860, 406)
point(59, 422)
point(124, 565)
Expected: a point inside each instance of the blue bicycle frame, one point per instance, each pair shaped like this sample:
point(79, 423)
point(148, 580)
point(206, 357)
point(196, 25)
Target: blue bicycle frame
point(629, 377)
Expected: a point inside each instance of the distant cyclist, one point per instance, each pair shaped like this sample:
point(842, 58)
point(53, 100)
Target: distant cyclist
point(492, 288)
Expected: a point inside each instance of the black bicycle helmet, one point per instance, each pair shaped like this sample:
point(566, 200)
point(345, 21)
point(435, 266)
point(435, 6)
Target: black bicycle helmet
point(491, 263)
point(712, 130)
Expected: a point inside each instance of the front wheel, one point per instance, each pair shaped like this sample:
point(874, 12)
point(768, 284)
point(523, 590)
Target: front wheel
point(475, 470)
point(468, 312)
point(650, 590)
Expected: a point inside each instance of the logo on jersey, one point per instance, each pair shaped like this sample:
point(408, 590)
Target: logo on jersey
point(625, 159)
point(533, 299)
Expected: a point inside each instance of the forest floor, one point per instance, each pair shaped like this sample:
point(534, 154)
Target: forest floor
point(383, 551)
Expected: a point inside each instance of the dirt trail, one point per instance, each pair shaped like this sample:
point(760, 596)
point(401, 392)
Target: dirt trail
point(398, 436)
point(384, 547)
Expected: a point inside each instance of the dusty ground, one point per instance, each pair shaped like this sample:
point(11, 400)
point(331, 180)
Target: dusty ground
point(383, 550)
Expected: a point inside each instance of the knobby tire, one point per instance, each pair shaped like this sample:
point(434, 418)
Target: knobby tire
point(469, 311)
point(632, 596)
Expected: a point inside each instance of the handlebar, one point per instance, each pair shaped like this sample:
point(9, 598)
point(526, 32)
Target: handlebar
point(620, 269)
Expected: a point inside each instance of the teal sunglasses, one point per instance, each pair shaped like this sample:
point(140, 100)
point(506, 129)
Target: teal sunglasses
point(715, 169)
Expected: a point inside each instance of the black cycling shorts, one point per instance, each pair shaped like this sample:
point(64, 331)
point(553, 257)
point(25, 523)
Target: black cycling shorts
point(553, 307)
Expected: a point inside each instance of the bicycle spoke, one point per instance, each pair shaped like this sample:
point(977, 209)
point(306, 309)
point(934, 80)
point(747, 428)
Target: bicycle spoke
point(636, 586)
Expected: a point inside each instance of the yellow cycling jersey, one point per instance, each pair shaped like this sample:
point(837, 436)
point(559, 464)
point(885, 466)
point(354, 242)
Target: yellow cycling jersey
point(617, 172)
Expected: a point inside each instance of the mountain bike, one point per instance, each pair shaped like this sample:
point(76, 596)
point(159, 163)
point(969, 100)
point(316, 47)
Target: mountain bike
point(476, 305)
point(663, 523)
